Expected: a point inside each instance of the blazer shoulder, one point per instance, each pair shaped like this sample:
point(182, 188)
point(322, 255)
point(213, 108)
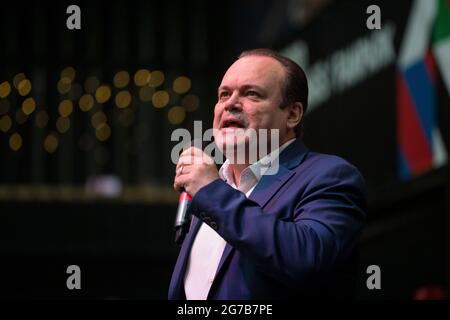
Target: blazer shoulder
point(320, 164)
point(324, 159)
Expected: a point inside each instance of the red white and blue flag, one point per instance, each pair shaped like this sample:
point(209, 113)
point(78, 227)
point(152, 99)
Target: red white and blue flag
point(424, 52)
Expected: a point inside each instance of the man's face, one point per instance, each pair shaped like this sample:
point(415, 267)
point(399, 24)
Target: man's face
point(250, 96)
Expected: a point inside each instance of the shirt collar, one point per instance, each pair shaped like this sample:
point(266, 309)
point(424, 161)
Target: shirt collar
point(256, 169)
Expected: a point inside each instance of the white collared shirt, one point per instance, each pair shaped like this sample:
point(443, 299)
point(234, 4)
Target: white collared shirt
point(208, 245)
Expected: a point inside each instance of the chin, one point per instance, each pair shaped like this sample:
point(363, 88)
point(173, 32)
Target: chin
point(230, 141)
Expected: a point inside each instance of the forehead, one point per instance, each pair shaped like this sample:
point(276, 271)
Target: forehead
point(254, 70)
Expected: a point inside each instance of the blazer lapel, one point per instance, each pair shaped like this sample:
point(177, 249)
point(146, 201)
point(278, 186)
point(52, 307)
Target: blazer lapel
point(176, 284)
point(225, 255)
point(269, 184)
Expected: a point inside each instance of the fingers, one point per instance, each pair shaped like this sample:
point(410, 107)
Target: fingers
point(181, 172)
point(192, 163)
point(182, 169)
point(186, 160)
point(179, 183)
point(191, 152)
point(194, 155)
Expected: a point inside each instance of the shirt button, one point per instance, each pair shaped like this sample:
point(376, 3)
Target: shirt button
point(211, 280)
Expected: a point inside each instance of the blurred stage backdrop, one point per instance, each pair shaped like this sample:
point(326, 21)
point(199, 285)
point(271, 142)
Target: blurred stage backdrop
point(86, 118)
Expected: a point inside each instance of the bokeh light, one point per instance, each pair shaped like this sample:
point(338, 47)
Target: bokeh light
point(65, 108)
point(62, 124)
point(181, 85)
point(5, 89)
point(98, 119)
point(5, 123)
point(68, 74)
point(156, 79)
point(121, 79)
point(176, 115)
point(146, 93)
point(160, 99)
point(190, 102)
point(103, 132)
point(24, 87)
point(102, 94)
point(15, 141)
point(51, 143)
point(18, 78)
point(28, 106)
point(86, 102)
point(123, 99)
point(142, 77)
point(63, 86)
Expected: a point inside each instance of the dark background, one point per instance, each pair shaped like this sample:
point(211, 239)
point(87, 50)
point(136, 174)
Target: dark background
point(124, 244)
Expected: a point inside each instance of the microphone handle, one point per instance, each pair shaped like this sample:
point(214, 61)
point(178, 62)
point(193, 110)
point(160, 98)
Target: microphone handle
point(180, 234)
point(182, 219)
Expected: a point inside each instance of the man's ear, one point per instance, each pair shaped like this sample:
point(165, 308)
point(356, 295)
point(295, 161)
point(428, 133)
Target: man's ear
point(295, 115)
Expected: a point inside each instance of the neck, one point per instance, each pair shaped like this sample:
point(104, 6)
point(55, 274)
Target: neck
point(237, 170)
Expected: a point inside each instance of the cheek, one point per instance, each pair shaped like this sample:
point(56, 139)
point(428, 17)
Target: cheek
point(266, 119)
point(259, 119)
point(217, 114)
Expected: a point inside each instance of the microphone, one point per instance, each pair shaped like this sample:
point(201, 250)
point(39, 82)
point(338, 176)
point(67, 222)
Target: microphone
point(182, 219)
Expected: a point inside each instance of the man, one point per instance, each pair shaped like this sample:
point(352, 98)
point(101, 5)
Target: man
point(254, 235)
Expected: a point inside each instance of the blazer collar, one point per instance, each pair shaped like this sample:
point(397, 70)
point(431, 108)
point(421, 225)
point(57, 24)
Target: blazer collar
point(294, 154)
point(269, 184)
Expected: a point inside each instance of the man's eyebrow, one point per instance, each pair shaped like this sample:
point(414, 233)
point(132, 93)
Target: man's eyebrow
point(252, 86)
point(245, 87)
point(223, 88)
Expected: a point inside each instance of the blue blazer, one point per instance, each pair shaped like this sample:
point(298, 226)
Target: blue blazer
point(295, 236)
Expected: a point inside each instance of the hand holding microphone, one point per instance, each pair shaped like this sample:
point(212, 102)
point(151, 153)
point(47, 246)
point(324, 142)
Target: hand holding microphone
point(194, 170)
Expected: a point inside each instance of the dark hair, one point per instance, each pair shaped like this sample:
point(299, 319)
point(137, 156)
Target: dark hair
point(296, 84)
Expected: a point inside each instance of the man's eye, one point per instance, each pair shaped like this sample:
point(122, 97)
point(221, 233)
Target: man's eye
point(252, 93)
point(223, 94)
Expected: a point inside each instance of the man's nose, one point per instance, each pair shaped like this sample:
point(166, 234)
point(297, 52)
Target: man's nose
point(233, 104)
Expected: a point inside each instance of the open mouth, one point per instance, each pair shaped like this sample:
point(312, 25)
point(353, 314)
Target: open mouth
point(233, 124)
